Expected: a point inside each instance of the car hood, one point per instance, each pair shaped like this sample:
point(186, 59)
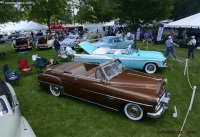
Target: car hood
point(151, 54)
point(139, 84)
point(88, 47)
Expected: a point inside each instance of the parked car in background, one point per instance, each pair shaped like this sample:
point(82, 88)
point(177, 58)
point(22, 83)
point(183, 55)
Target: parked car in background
point(46, 41)
point(22, 43)
point(109, 84)
point(113, 42)
point(149, 61)
point(3, 37)
point(70, 41)
point(12, 123)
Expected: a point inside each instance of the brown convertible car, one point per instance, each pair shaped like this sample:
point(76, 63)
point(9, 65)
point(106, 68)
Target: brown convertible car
point(109, 84)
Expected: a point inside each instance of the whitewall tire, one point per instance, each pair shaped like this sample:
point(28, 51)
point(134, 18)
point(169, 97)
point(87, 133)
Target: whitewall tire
point(55, 90)
point(133, 111)
point(150, 68)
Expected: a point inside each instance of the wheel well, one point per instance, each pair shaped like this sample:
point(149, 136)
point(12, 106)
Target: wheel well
point(126, 102)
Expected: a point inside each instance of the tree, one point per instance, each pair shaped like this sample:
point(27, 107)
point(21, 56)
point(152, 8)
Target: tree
point(47, 10)
point(93, 11)
point(135, 13)
point(8, 12)
point(185, 8)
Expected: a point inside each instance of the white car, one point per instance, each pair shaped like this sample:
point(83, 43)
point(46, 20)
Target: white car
point(70, 41)
point(12, 123)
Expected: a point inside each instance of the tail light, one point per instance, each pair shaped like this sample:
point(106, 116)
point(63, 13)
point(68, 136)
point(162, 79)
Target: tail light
point(73, 56)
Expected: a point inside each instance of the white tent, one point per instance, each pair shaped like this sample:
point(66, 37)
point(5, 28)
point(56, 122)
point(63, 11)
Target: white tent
point(188, 22)
point(93, 27)
point(109, 24)
point(22, 26)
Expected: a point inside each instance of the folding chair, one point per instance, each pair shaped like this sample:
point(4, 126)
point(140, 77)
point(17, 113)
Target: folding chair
point(40, 64)
point(23, 67)
point(10, 75)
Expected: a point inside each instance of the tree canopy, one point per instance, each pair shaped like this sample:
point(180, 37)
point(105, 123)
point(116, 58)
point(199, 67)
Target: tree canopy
point(134, 13)
point(9, 12)
point(185, 8)
point(94, 11)
point(47, 10)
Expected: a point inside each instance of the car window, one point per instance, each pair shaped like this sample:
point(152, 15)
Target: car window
point(117, 40)
point(3, 107)
point(112, 70)
point(98, 75)
point(120, 65)
point(49, 37)
point(10, 98)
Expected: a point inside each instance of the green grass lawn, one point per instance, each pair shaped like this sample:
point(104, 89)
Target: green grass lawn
point(64, 116)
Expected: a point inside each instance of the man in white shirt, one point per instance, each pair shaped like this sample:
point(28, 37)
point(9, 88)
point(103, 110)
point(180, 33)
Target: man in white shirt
point(191, 44)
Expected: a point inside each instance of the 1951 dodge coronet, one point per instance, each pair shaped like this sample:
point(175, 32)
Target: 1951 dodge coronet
point(110, 85)
point(149, 61)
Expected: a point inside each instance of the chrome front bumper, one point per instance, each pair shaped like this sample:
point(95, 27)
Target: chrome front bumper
point(157, 114)
point(164, 100)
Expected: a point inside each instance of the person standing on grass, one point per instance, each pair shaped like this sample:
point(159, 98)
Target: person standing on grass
point(57, 46)
point(169, 47)
point(146, 38)
point(191, 44)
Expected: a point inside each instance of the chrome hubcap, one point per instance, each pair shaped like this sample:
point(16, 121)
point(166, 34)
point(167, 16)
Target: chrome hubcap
point(133, 111)
point(55, 89)
point(150, 68)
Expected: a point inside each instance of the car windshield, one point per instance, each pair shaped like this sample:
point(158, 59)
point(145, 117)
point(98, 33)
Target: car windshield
point(112, 70)
point(11, 100)
point(3, 107)
point(103, 40)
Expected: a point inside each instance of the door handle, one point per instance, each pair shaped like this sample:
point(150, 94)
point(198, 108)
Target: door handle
point(109, 97)
point(75, 79)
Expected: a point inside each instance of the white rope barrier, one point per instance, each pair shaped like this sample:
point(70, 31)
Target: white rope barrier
point(189, 109)
point(192, 98)
point(186, 71)
point(186, 66)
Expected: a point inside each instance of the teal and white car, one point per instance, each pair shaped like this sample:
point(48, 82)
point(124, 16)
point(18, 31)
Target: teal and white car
point(12, 123)
point(149, 61)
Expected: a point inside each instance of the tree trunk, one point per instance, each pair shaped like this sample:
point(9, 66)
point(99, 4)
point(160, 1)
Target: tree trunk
point(48, 20)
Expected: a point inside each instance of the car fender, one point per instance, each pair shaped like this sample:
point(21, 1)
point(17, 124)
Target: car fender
point(26, 130)
point(49, 79)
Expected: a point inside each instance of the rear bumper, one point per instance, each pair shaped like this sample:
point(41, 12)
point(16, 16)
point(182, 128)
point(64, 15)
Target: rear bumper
point(30, 47)
point(43, 46)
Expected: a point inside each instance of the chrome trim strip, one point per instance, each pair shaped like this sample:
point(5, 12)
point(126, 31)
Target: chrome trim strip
point(93, 92)
point(93, 56)
point(91, 102)
point(112, 97)
point(49, 84)
point(108, 96)
point(81, 76)
point(129, 101)
point(145, 76)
